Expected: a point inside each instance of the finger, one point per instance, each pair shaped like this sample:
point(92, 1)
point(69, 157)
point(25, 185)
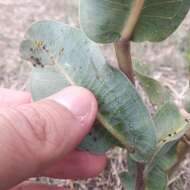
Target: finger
point(28, 186)
point(38, 134)
point(77, 165)
point(13, 97)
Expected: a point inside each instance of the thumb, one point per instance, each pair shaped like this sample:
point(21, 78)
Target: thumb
point(38, 134)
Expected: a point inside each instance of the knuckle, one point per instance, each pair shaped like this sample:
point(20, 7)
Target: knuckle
point(36, 124)
point(43, 128)
point(26, 120)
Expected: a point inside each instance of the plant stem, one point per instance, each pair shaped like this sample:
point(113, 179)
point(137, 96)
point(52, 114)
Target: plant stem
point(122, 49)
point(123, 53)
point(140, 185)
point(122, 46)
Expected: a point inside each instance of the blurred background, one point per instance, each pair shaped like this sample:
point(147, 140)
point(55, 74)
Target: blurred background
point(170, 61)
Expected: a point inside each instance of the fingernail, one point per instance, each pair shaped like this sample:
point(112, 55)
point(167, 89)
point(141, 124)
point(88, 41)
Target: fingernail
point(77, 100)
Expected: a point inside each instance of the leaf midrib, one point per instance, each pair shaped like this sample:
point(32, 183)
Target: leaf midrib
point(132, 19)
point(59, 68)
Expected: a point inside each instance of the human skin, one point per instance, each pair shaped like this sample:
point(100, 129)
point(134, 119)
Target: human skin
point(40, 139)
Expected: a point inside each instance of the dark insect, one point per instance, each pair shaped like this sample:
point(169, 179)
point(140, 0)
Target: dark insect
point(36, 62)
point(95, 139)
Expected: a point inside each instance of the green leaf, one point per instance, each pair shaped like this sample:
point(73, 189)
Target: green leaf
point(76, 60)
point(105, 20)
point(169, 123)
point(170, 127)
point(167, 161)
point(128, 179)
point(157, 179)
point(39, 80)
point(157, 94)
point(45, 82)
point(158, 176)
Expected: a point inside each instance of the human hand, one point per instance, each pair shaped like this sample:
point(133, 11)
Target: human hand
point(39, 139)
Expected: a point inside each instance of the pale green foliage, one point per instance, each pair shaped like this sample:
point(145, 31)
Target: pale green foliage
point(65, 56)
point(104, 20)
point(157, 94)
point(170, 126)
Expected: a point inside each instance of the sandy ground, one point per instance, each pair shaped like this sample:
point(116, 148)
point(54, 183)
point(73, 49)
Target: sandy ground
point(166, 57)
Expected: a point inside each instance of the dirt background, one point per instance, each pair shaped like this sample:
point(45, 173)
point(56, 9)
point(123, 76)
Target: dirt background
point(167, 58)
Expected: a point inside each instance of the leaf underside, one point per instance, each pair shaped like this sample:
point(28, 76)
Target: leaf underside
point(104, 20)
point(70, 58)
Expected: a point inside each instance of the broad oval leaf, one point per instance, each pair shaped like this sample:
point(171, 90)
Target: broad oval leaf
point(104, 21)
point(44, 83)
point(69, 53)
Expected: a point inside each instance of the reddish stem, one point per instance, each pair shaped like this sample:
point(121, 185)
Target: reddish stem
point(122, 48)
